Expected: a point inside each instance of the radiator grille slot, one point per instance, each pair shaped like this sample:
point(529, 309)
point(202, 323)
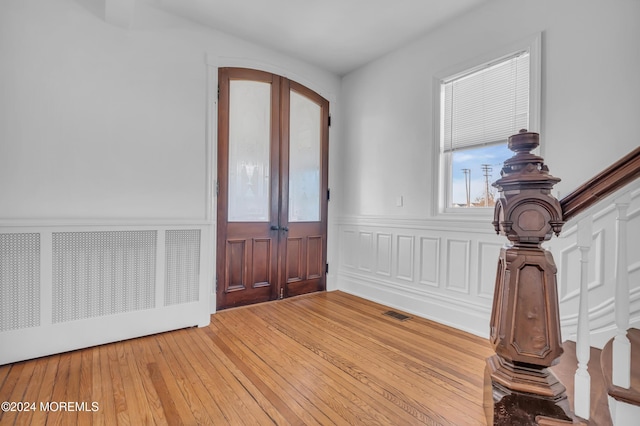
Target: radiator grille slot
point(19, 281)
point(397, 315)
point(102, 273)
point(182, 281)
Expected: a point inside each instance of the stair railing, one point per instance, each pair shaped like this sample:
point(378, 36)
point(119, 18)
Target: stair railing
point(615, 177)
point(621, 366)
point(582, 379)
point(525, 322)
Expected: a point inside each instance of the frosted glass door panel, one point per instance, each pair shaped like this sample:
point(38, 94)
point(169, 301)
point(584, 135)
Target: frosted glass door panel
point(249, 151)
point(304, 159)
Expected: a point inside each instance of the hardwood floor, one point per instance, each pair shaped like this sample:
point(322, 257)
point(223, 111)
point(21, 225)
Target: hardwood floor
point(326, 358)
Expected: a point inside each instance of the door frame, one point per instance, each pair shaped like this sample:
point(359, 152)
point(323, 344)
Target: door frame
point(212, 64)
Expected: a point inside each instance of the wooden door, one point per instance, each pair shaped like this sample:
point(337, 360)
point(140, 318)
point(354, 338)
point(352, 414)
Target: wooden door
point(272, 188)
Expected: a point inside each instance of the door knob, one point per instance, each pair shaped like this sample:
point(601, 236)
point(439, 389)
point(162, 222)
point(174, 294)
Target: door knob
point(275, 227)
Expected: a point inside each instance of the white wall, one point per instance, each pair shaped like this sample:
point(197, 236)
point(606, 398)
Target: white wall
point(97, 121)
point(590, 110)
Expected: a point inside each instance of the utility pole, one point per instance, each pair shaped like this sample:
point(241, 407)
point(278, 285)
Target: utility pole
point(467, 184)
point(486, 169)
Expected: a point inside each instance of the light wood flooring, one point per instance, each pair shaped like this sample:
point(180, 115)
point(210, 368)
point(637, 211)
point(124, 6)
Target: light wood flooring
point(325, 358)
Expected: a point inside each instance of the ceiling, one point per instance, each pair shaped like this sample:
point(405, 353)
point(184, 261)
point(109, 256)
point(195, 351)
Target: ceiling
point(337, 35)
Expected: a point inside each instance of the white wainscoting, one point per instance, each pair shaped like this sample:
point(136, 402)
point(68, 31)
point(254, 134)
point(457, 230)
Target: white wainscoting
point(65, 287)
point(445, 270)
point(437, 270)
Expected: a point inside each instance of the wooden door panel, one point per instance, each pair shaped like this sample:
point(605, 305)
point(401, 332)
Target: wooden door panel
point(250, 266)
point(261, 262)
point(294, 264)
point(315, 250)
point(305, 262)
point(236, 265)
point(256, 252)
point(304, 258)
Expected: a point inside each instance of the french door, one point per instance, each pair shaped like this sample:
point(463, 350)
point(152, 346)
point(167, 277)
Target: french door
point(272, 188)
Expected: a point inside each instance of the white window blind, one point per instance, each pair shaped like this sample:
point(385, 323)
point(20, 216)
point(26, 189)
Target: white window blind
point(487, 105)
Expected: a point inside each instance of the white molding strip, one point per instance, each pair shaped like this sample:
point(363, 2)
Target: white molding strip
point(98, 222)
point(18, 345)
point(476, 225)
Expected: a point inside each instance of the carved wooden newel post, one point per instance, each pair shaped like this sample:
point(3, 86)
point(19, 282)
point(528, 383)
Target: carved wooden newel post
point(525, 325)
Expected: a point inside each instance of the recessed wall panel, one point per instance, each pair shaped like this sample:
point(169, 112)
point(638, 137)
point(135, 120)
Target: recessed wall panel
point(365, 251)
point(348, 249)
point(488, 254)
point(458, 265)
point(633, 228)
point(569, 268)
point(405, 257)
point(430, 261)
point(383, 256)
point(596, 260)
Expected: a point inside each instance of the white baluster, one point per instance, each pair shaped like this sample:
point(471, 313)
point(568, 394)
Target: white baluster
point(582, 379)
point(621, 375)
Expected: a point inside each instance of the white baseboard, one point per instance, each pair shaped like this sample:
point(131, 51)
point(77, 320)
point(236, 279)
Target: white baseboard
point(455, 313)
point(35, 342)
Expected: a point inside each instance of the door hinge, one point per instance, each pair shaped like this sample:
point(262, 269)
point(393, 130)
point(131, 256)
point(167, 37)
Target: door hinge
point(281, 292)
point(216, 283)
point(218, 92)
point(326, 268)
point(328, 194)
point(217, 188)
point(329, 121)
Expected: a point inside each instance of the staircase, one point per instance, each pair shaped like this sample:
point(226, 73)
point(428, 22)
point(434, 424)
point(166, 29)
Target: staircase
point(602, 389)
point(618, 375)
point(565, 371)
point(624, 402)
point(598, 249)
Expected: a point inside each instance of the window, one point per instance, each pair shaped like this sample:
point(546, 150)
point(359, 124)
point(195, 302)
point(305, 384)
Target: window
point(480, 107)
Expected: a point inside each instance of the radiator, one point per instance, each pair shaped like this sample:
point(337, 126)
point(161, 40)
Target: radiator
point(64, 289)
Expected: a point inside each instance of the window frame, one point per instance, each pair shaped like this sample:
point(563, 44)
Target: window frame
point(442, 159)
